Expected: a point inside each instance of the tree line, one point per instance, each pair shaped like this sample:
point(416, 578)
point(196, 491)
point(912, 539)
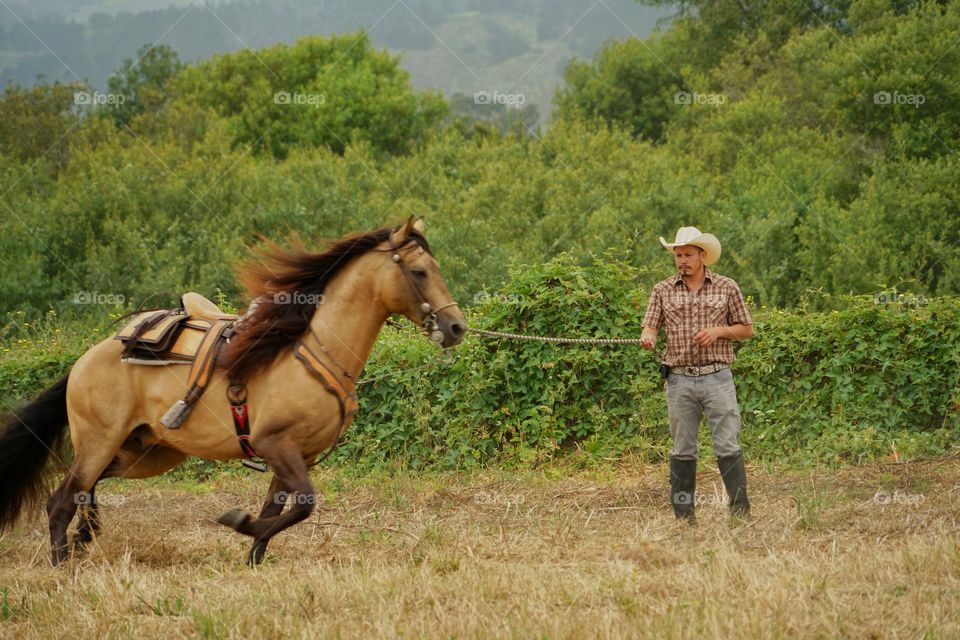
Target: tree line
point(817, 143)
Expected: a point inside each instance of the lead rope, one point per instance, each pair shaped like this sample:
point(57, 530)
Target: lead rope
point(518, 336)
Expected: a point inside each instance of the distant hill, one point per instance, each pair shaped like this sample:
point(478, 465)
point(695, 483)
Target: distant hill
point(513, 52)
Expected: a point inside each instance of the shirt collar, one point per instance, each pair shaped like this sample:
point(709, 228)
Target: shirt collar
point(707, 277)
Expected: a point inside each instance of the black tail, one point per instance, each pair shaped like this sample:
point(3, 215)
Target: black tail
point(29, 437)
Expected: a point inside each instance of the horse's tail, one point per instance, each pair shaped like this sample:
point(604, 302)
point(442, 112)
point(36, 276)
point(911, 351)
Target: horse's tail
point(30, 435)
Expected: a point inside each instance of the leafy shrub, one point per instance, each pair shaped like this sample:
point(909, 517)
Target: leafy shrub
point(520, 401)
point(856, 382)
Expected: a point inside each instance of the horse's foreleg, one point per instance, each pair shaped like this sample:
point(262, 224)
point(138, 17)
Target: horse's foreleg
point(290, 471)
point(272, 506)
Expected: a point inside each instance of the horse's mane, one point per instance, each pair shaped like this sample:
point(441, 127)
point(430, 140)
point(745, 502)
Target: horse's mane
point(285, 285)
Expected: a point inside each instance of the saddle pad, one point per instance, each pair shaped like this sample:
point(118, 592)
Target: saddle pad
point(160, 336)
point(151, 327)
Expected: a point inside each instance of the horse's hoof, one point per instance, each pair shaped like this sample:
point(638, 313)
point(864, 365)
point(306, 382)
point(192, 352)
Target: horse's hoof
point(58, 557)
point(257, 552)
point(235, 518)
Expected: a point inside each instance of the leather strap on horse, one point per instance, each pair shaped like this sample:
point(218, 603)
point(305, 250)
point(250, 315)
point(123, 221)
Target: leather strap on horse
point(345, 395)
point(160, 316)
point(200, 373)
point(429, 325)
point(237, 395)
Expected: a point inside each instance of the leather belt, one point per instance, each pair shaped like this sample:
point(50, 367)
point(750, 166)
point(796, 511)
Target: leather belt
point(699, 370)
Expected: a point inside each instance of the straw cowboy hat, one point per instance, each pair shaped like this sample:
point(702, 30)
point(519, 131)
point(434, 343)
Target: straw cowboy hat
point(691, 235)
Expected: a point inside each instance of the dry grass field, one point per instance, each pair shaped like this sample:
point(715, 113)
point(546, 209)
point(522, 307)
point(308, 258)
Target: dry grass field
point(865, 552)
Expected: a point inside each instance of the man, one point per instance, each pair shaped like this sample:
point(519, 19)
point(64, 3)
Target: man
point(703, 313)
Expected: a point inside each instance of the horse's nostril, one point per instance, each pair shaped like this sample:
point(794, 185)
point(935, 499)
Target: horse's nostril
point(456, 329)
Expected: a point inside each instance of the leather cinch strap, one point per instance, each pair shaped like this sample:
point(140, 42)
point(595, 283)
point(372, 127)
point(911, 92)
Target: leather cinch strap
point(349, 404)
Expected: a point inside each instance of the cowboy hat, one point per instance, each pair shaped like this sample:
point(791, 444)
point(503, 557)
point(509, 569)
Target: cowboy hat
point(691, 235)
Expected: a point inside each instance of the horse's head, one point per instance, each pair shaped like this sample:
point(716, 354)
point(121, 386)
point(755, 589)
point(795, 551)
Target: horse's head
point(418, 290)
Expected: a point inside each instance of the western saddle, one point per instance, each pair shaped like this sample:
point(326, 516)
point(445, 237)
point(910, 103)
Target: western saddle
point(191, 334)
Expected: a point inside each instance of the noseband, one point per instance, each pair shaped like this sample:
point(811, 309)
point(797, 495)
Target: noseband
point(430, 324)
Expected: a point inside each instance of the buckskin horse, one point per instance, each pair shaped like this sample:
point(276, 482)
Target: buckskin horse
point(313, 313)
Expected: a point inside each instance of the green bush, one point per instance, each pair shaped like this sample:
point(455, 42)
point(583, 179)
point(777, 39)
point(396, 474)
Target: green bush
point(857, 382)
point(519, 401)
point(872, 376)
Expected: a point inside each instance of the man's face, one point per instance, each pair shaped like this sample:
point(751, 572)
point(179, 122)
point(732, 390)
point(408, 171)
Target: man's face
point(689, 259)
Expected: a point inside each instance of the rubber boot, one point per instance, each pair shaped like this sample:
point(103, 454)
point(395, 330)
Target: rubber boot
point(734, 476)
point(683, 481)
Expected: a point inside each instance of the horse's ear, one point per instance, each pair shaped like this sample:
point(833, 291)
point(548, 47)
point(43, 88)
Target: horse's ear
point(401, 233)
point(418, 225)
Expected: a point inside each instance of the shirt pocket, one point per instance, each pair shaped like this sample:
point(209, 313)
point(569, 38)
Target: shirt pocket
point(716, 310)
point(673, 311)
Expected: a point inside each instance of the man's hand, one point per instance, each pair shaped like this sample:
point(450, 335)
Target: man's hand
point(648, 339)
point(707, 337)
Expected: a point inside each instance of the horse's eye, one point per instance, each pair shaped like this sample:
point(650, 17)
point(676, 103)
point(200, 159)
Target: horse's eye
point(420, 273)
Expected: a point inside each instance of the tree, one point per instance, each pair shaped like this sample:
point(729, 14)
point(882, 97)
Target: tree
point(142, 82)
point(631, 82)
point(317, 92)
point(35, 122)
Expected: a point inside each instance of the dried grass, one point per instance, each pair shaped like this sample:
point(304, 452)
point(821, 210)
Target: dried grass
point(495, 554)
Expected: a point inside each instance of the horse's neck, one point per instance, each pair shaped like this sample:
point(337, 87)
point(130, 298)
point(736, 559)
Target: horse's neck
point(348, 320)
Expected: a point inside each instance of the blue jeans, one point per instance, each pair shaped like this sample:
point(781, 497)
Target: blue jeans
point(689, 398)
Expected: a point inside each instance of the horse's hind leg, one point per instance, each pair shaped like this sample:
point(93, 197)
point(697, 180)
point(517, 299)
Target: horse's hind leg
point(76, 489)
point(132, 460)
point(287, 462)
point(61, 508)
point(89, 520)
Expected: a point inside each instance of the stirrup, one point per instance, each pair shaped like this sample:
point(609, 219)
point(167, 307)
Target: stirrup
point(253, 464)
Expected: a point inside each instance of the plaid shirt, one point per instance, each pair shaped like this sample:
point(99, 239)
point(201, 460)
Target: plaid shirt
point(718, 303)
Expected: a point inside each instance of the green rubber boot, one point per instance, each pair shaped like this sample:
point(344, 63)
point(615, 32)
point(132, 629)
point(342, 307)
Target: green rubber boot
point(734, 476)
point(683, 482)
